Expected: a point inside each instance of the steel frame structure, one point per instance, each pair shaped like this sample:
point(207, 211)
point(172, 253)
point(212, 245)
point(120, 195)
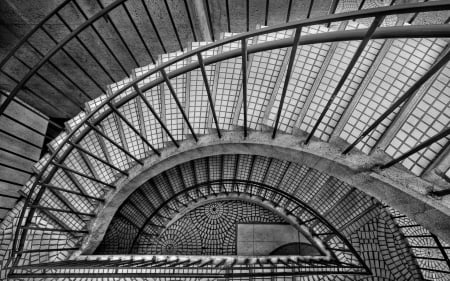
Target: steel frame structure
point(111, 104)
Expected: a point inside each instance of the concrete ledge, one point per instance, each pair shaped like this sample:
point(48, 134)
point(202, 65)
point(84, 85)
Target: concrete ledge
point(395, 186)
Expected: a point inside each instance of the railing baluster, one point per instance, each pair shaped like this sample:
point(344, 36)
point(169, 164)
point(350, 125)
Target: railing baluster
point(376, 22)
point(152, 110)
point(180, 107)
point(114, 143)
point(62, 211)
point(53, 229)
point(293, 53)
point(64, 167)
point(208, 92)
point(244, 82)
point(49, 186)
point(311, 4)
point(361, 5)
point(124, 119)
point(96, 157)
point(417, 148)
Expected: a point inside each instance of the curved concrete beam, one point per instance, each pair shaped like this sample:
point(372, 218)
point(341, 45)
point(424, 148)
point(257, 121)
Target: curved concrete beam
point(394, 186)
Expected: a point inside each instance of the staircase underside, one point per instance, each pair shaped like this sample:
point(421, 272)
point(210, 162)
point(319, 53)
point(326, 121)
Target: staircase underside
point(303, 93)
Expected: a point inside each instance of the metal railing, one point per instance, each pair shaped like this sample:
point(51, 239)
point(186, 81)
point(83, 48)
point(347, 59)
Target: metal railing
point(112, 103)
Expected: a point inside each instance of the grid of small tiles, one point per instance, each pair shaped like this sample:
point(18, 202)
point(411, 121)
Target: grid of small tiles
point(174, 118)
point(75, 162)
point(334, 191)
point(307, 64)
point(45, 239)
point(324, 192)
point(349, 208)
point(429, 117)
point(60, 179)
point(110, 128)
point(153, 227)
point(229, 84)
point(209, 229)
point(153, 129)
point(92, 144)
point(262, 76)
point(429, 258)
point(293, 177)
point(68, 219)
point(198, 104)
point(335, 69)
point(129, 110)
point(404, 63)
point(310, 185)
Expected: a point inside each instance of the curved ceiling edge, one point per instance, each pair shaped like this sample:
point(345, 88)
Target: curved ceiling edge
point(396, 187)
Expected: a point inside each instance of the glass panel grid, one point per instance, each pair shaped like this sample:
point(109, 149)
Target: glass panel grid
point(429, 117)
point(152, 194)
point(338, 64)
point(153, 129)
point(68, 219)
point(92, 144)
point(142, 203)
point(131, 213)
point(110, 128)
point(75, 162)
point(60, 179)
point(259, 169)
point(199, 107)
point(175, 180)
point(264, 70)
point(188, 174)
point(163, 186)
point(215, 168)
point(334, 191)
point(276, 172)
point(130, 111)
point(229, 165)
point(174, 118)
point(293, 177)
point(405, 62)
point(354, 204)
point(228, 87)
point(310, 185)
point(308, 62)
point(201, 170)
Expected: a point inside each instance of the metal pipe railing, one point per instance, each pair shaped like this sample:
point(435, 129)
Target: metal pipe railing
point(91, 120)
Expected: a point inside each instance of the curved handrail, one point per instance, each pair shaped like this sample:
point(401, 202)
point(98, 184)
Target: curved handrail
point(376, 12)
point(262, 186)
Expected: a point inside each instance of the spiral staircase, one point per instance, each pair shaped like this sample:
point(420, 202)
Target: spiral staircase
point(273, 116)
